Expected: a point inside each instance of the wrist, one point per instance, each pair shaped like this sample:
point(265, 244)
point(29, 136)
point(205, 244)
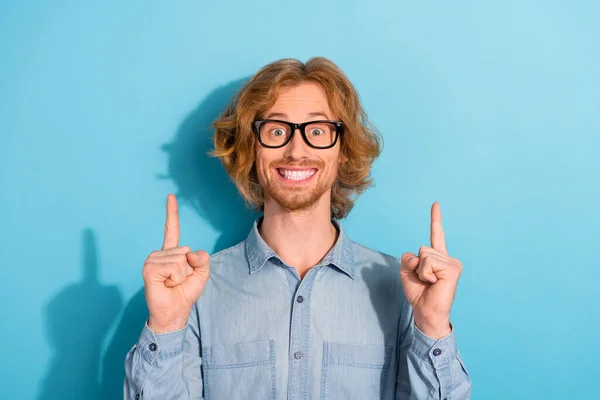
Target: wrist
point(159, 328)
point(435, 329)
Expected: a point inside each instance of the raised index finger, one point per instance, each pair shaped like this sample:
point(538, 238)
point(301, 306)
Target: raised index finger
point(172, 224)
point(438, 242)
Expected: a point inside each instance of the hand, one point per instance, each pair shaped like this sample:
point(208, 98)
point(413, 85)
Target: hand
point(174, 277)
point(430, 280)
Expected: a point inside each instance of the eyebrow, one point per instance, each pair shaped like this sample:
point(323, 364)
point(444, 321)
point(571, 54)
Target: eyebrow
point(310, 115)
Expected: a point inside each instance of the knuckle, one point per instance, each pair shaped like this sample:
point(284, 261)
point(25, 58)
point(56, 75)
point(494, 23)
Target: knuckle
point(187, 249)
point(456, 263)
point(155, 253)
point(456, 274)
point(147, 270)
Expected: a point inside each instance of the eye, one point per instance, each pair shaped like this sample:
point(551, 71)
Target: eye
point(316, 131)
point(278, 132)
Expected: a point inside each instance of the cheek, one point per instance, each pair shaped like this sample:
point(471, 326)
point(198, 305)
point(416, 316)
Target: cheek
point(262, 164)
point(261, 170)
point(333, 163)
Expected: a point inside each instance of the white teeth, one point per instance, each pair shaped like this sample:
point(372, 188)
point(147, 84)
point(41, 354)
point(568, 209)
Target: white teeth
point(297, 175)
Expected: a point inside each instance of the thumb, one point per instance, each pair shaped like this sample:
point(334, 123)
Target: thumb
point(194, 283)
point(198, 259)
point(409, 262)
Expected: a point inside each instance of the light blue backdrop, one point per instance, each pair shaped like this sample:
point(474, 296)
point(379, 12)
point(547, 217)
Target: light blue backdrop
point(489, 107)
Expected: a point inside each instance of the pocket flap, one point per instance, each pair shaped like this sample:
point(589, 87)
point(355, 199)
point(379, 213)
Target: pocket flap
point(239, 354)
point(357, 355)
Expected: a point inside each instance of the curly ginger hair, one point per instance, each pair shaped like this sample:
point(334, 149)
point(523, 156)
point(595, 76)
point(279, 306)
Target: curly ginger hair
point(235, 141)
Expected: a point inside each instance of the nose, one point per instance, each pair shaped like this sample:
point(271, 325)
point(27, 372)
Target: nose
point(297, 149)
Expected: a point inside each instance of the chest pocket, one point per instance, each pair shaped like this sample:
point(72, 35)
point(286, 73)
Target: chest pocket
point(239, 371)
point(353, 371)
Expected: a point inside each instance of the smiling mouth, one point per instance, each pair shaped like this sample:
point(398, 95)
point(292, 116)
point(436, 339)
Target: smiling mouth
point(295, 174)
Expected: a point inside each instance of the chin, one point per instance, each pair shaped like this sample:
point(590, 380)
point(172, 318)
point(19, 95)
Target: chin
point(297, 199)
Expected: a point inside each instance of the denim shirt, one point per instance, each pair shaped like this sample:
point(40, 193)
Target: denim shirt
point(259, 331)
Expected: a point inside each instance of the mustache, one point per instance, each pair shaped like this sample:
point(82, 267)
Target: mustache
point(318, 164)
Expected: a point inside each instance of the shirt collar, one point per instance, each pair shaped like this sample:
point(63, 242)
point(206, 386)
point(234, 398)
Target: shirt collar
point(341, 255)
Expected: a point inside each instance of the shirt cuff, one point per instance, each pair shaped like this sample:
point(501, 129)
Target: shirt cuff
point(160, 345)
point(437, 353)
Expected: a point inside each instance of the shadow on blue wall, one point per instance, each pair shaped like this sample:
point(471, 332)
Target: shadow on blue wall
point(201, 183)
point(77, 321)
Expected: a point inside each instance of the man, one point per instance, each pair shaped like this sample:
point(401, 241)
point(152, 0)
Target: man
point(298, 310)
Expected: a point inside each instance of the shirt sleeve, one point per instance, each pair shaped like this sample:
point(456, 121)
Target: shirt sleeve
point(165, 366)
point(429, 369)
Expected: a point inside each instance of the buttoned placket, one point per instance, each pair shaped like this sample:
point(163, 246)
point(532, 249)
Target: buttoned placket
point(299, 335)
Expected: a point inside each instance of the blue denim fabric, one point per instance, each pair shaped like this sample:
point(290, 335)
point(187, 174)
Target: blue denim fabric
point(344, 331)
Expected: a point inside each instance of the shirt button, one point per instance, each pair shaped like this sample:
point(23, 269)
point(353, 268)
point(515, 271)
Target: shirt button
point(152, 346)
point(300, 299)
point(437, 352)
point(298, 355)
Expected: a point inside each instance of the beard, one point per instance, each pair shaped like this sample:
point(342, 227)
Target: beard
point(300, 198)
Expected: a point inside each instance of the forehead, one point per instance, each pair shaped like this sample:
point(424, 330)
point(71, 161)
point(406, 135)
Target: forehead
point(301, 100)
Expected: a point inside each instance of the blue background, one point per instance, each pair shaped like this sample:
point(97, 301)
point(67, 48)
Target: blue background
point(490, 107)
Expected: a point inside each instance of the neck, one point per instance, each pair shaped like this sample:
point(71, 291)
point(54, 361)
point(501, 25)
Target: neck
point(300, 238)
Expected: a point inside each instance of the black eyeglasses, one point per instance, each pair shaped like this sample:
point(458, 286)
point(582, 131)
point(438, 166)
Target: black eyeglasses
point(274, 133)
